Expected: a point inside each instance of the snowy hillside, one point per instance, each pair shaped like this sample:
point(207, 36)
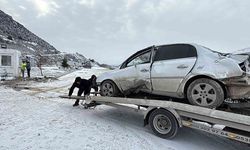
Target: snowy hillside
point(243, 51)
point(16, 36)
point(36, 118)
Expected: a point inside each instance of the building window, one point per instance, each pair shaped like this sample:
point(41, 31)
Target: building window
point(6, 60)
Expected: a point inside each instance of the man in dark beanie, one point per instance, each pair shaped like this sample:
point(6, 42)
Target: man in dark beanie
point(83, 85)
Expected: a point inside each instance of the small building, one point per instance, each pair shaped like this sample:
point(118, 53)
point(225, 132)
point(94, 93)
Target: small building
point(9, 62)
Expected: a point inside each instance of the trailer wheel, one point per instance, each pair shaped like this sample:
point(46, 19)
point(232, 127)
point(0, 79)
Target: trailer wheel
point(163, 123)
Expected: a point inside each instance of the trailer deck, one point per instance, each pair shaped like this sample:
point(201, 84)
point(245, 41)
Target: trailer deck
point(159, 114)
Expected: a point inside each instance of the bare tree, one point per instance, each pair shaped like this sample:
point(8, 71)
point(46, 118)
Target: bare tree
point(40, 60)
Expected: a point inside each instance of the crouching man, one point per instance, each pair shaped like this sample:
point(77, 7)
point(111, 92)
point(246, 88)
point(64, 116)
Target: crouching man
point(83, 85)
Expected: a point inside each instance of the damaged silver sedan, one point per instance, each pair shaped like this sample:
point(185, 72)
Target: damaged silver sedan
point(204, 77)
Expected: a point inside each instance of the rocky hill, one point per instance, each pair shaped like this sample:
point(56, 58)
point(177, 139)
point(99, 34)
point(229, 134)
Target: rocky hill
point(243, 51)
point(16, 36)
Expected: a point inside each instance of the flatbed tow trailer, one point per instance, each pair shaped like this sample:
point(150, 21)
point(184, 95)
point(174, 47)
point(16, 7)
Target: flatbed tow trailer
point(166, 117)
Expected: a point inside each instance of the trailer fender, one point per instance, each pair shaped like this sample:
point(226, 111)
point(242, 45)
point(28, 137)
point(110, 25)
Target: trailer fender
point(171, 110)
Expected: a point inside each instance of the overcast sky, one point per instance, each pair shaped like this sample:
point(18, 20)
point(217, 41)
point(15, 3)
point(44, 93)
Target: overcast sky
point(111, 30)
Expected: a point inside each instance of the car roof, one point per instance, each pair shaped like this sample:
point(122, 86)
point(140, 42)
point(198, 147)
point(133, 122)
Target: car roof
point(192, 44)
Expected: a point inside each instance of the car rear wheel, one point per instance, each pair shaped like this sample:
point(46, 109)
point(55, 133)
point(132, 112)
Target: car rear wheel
point(108, 88)
point(205, 92)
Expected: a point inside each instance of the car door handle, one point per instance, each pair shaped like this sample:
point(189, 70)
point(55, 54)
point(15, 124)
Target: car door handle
point(144, 70)
point(182, 66)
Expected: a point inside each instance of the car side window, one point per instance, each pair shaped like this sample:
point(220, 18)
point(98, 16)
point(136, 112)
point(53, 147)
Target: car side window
point(177, 51)
point(141, 59)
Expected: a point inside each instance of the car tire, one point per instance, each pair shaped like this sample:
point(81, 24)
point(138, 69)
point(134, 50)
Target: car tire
point(206, 93)
point(163, 123)
point(109, 88)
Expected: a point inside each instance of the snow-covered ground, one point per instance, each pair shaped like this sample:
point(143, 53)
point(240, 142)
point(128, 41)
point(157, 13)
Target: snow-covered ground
point(36, 118)
point(47, 71)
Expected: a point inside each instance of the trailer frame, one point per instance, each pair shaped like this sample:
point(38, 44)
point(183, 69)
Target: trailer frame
point(166, 117)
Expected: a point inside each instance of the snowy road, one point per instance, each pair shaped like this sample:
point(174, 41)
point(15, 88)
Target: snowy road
point(43, 121)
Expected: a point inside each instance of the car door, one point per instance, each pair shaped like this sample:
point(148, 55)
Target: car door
point(135, 72)
point(171, 64)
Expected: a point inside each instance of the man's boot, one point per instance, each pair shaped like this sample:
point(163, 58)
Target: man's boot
point(76, 103)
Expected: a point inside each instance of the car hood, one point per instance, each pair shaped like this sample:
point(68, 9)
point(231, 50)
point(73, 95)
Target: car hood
point(105, 76)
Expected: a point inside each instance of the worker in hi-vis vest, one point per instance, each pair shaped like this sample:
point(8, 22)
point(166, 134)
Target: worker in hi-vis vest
point(23, 68)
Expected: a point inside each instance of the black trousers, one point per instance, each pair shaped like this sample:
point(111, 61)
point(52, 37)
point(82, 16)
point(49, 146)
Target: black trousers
point(28, 71)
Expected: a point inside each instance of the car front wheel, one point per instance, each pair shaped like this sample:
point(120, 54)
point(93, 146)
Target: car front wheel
point(108, 88)
point(205, 92)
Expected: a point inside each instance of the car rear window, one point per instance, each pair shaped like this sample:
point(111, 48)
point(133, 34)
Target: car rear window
point(177, 51)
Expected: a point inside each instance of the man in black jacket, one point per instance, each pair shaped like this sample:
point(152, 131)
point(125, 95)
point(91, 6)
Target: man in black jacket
point(28, 68)
point(83, 85)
